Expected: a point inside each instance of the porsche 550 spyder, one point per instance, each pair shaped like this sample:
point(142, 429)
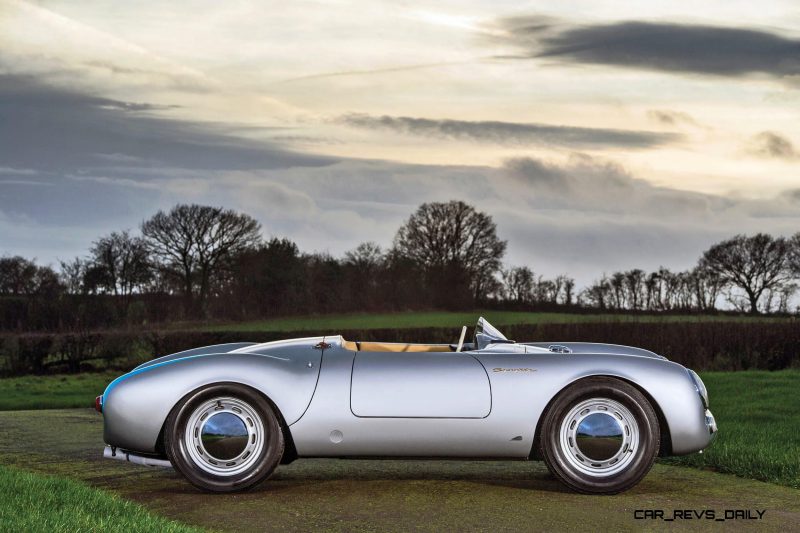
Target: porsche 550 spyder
point(226, 416)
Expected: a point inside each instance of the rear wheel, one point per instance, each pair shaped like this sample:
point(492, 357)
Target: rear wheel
point(224, 438)
point(600, 436)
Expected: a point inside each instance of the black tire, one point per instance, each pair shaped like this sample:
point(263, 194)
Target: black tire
point(257, 468)
point(555, 448)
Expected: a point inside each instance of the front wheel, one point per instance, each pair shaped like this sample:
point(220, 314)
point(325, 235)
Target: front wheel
point(600, 436)
point(224, 438)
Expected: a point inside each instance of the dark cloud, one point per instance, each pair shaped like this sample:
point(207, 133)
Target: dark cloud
point(580, 215)
point(539, 173)
point(582, 173)
point(94, 159)
point(47, 128)
point(673, 47)
point(591, 184)
point(593, 215)
point(773, 145)
point(668, 117)
point(75, 166)
point(137, 106)
point(512, 133)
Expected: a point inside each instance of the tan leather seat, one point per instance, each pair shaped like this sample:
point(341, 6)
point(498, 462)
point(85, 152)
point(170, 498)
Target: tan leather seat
point(402, 347)
point(394, 347)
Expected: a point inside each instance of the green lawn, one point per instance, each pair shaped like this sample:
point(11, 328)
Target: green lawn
point(758, 414)
point(385, 496)
point(36, 502)
point(52, 392)
point(450, 319)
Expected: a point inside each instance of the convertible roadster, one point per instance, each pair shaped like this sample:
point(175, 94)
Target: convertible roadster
point(225, 416)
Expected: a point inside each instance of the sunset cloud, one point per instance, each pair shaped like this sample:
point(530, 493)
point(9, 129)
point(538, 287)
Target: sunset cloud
point(773, 145)
point(511, 133)
point(595, 141)
point(672, 47)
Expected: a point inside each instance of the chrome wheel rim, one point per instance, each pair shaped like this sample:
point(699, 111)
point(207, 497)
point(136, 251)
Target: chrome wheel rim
point(224, 436)
point(599, 437)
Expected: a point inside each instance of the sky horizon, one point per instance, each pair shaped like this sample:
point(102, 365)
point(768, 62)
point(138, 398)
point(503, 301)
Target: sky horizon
point(600, 136)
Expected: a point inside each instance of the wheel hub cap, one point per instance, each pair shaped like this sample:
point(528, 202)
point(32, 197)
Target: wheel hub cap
point(224, 436)
point(599, 437)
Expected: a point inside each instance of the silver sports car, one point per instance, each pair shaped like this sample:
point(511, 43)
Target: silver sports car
point(225, 416)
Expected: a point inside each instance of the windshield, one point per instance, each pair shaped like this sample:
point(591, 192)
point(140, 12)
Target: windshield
point(486, 334)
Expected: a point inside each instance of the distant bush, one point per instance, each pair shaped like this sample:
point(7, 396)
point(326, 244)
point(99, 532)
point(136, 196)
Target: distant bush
point(25, 354)
point(699, 345)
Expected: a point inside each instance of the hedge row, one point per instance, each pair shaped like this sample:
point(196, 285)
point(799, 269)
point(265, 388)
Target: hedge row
point(699, 345)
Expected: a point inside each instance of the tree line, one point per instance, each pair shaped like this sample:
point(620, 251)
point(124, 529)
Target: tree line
point(753, 274)
point(201, 262)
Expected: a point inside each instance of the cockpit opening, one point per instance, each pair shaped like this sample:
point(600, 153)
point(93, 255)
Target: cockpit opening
point(485, 335)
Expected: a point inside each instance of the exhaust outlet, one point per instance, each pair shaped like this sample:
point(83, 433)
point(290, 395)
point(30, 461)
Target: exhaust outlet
point(111, 452)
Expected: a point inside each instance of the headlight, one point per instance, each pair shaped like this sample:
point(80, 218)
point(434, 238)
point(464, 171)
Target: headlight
point(700, 386)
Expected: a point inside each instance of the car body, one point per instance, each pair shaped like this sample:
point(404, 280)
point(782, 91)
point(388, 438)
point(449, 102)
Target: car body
point(330, 397)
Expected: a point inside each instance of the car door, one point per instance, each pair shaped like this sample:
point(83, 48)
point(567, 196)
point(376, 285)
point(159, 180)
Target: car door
point(419, 385)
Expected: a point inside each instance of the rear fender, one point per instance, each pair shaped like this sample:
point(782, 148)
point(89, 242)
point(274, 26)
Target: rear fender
point(136, 405)
point(205, 350)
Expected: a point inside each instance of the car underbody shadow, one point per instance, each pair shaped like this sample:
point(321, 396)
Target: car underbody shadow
point(526, 475)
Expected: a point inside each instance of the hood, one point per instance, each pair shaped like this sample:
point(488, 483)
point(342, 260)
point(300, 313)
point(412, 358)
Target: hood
point(595, 348)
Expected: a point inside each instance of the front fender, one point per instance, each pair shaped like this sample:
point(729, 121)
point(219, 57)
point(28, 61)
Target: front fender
point(136, 405)
point(516, 394)
point(668, 384)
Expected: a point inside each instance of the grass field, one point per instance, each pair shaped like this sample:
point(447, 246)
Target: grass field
point(454, 319)
point(382, 495)
point(52, 392)
point(758, 414)
point(36, 502)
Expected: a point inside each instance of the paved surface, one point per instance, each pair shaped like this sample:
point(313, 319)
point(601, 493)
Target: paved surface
point(343, 495)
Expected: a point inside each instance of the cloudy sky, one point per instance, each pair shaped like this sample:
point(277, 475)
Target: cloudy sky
point(600, 135)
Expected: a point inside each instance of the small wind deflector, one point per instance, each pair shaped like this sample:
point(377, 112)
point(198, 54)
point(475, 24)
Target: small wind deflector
point(486, 334)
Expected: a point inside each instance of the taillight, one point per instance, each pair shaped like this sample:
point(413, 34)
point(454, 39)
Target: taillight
point(98, 404)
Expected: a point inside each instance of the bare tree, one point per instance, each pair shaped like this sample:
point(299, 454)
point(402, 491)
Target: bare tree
point(23, 277)
point(652, 290)
point(363, 266)
point(617, 284)
point(753, 264)
point(706, 286)
point(684, 295)
point(192, 241)
point(17, 275)
point(784, 295)
point(597, 294)
point(367, 257)
point(73, 275)
point(634, 285)
point(545, 290)
point(455, 244)
point(518, 284)
point(566, 286)
point(793, 255)
point(120, 265)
